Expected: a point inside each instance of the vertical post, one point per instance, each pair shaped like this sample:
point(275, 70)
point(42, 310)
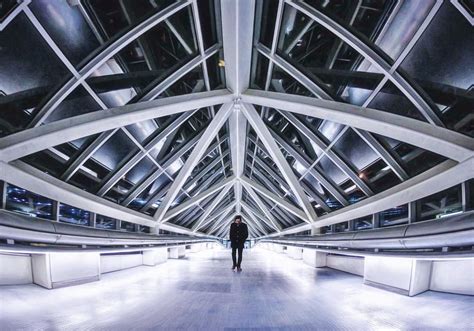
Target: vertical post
point(351, 225)
point(118, 224)
point(3, 192)
point(55, 213)
point(412, 212)
point(375, 220)
point(333, 228)
point(92, 219)
point(315, 230)
point(136, 227)
point(466, 196)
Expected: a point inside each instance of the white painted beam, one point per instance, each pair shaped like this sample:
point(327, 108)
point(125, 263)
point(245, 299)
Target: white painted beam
point(209, 134)
point(441, 177)
point(264, 134)
point(39, 138)
point(211, 207)
point(237, 28)
point(196, 199)
point(439, 140)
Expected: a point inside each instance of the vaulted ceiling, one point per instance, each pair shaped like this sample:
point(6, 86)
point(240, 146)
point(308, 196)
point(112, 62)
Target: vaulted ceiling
point(180, 115)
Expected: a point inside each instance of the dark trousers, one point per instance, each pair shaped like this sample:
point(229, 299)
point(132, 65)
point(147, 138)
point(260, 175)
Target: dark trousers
point(234, 258)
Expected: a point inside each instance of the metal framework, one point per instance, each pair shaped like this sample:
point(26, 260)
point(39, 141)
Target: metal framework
point(242, 161)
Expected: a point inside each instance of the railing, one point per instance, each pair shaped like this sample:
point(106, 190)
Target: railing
point(452, 231)
point(27, 229)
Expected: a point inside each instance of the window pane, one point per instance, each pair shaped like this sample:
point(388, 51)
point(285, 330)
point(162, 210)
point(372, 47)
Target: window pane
point(73, 215)
point(67, 27)
point(363, 223)
point(126, 226)
point(28, 203)
point(446, 79)
point(325, 59)
point(104, 222)
point(394, 216)
point(29, 72)
point(440, 204)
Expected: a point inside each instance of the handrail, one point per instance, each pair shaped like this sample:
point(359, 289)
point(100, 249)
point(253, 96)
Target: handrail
point(452, 231)
point(28, 229)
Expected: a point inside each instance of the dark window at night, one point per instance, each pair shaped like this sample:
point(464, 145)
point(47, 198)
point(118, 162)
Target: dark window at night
point(440, 204)
point(394, 216)
point(28, 203)
point(73, 215)
point(104, 222)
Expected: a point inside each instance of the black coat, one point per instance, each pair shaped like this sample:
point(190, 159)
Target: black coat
point(238, 234)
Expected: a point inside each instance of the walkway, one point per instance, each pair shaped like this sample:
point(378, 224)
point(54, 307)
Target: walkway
point(201, 293)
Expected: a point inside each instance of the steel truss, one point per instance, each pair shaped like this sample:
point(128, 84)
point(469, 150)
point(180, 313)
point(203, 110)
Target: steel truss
point(222, 189)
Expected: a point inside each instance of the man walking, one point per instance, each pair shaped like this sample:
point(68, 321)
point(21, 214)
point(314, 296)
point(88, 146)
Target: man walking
point(238, 235)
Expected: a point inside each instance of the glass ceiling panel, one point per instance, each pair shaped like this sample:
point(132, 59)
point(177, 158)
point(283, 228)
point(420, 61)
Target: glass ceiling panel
point(146, 62)
point(266, 13)
point(147, 200)
point(135, 175)
point(391, 100)
point(68, 28)
point(192, 82)
point(77, 103)
point(112, 18)
point(325, 58)
point(112, 153)
point(316, 186)
point(259, 71)
point(216, 71)
point(448, 80)
point(22, 85)
point(210, 26)
point(284, 83)
point(413, 159)
point(368, 19)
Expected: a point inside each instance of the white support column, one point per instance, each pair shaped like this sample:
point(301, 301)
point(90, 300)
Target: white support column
point(198, 151)
point(238, 133)
point(407, 276)
point(237, 27)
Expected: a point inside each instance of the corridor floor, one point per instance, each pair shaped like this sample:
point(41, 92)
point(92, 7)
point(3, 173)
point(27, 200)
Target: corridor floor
point(201, 292)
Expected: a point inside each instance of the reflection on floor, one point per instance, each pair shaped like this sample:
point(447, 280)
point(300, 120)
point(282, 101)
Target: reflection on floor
point(202, 293)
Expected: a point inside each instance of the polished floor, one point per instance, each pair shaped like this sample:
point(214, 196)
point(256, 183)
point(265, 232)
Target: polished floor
point(201, 293)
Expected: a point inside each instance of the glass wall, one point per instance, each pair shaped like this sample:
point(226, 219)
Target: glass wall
point(73, 215)
point(25, 202)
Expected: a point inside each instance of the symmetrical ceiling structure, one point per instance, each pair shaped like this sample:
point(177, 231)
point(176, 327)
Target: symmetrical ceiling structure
point(179, 115)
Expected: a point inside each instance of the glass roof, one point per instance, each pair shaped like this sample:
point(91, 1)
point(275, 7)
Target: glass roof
point(202, 152)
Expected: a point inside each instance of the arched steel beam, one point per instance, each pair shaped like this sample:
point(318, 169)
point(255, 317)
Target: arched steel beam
point(249, 184)
point(211, 207)
point(220, 214)
point(264, 134)
point(198, 151)
point(23, 175)
point(39, 138)
point(341, 164)
point(440, 177)
point(448, 143)
point(110, 50)
point(372, 56)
